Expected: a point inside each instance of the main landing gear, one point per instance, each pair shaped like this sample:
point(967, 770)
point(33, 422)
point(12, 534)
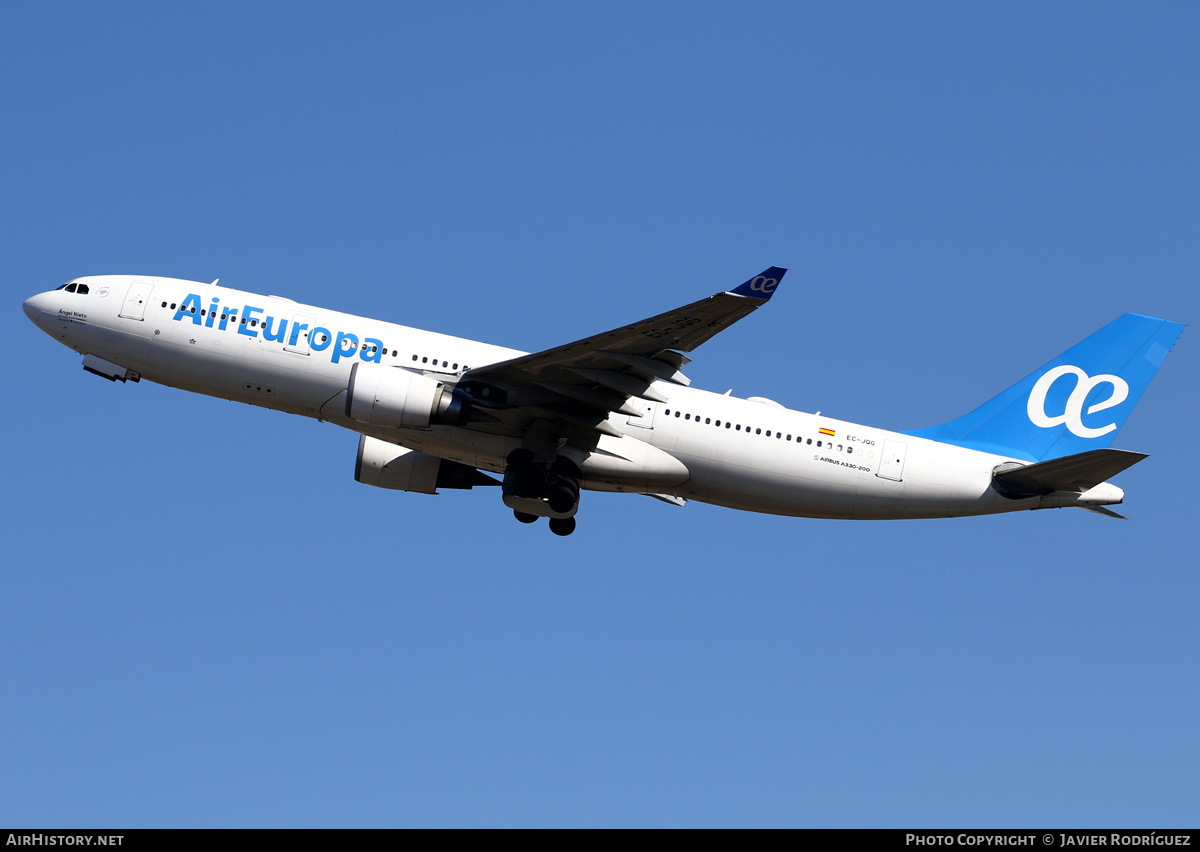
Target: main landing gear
point(539, 490)
point(558, 526)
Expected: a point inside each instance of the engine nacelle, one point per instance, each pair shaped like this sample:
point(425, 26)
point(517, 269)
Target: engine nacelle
point(394, 396)
point(386, 465)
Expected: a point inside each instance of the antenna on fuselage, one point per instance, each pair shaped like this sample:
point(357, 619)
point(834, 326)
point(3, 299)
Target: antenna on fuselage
point(214, 284)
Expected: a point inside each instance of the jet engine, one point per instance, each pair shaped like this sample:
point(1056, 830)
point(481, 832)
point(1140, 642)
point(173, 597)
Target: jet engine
point(386, 465)
point(394, 396)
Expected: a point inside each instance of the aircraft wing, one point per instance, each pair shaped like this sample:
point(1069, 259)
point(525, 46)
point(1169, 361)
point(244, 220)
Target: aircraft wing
point(585, 380)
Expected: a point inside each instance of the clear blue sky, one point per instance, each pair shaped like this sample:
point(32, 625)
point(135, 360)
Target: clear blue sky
point(206, 621)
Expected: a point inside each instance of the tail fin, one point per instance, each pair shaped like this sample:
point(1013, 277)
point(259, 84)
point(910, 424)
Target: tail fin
point(1077, 402)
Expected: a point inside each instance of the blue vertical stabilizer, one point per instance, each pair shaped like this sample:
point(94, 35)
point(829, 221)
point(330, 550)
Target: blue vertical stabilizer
point(1077, 402)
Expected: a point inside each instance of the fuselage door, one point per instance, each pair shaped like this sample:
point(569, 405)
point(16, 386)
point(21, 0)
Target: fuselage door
point(136, 300)
point(298, 332)
point(891, 460)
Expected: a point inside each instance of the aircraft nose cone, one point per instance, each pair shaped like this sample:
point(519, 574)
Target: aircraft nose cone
point(34, 307)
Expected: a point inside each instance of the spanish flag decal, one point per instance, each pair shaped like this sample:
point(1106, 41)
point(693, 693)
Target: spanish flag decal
point(828, 432)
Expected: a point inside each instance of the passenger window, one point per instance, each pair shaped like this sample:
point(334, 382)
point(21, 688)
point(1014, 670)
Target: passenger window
point(707, 421)
point(455, 367)
point(164, 304)
point(425, 360)
point(445, 363)
point(768, 433)
point(849, 449)
point(172, 306)
point(414, 357)
point(718, 423)
point(789, 437)
point(676, 413)
point(818, 443)
point(727, 424)
point(810, 441)
point(839, 448)
point(778, 435)
point(758, 432)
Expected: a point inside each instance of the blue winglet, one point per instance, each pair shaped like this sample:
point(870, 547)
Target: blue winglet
point(762, 285)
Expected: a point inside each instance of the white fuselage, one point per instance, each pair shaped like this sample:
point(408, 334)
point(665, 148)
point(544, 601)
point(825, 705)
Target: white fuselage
point(276, 353)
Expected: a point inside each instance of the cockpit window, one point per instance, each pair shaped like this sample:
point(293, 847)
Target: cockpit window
point(83, 289)
point(71, 287)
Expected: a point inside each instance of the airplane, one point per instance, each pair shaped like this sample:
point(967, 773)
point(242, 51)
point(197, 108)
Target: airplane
point(613, 412)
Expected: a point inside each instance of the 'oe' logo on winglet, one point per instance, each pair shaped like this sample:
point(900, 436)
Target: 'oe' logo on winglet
point(763, 284)
point(1072, 414)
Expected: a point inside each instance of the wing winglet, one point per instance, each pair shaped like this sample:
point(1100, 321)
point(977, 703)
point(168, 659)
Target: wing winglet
point(761, 286)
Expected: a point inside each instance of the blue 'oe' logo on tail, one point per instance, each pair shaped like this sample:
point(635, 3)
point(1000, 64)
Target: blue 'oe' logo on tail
point(1077, 402)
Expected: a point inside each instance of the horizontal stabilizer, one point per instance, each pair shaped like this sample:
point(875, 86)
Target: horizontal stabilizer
point(1104, 510)
point(1070, 473)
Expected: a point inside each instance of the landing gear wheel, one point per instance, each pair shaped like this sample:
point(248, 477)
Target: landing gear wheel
point(562, 497)
point(562, 526)
point(525, 517)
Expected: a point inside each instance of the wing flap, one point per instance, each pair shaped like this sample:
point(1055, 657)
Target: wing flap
point(601, 399)
point(621, 383)
point(651, 368)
